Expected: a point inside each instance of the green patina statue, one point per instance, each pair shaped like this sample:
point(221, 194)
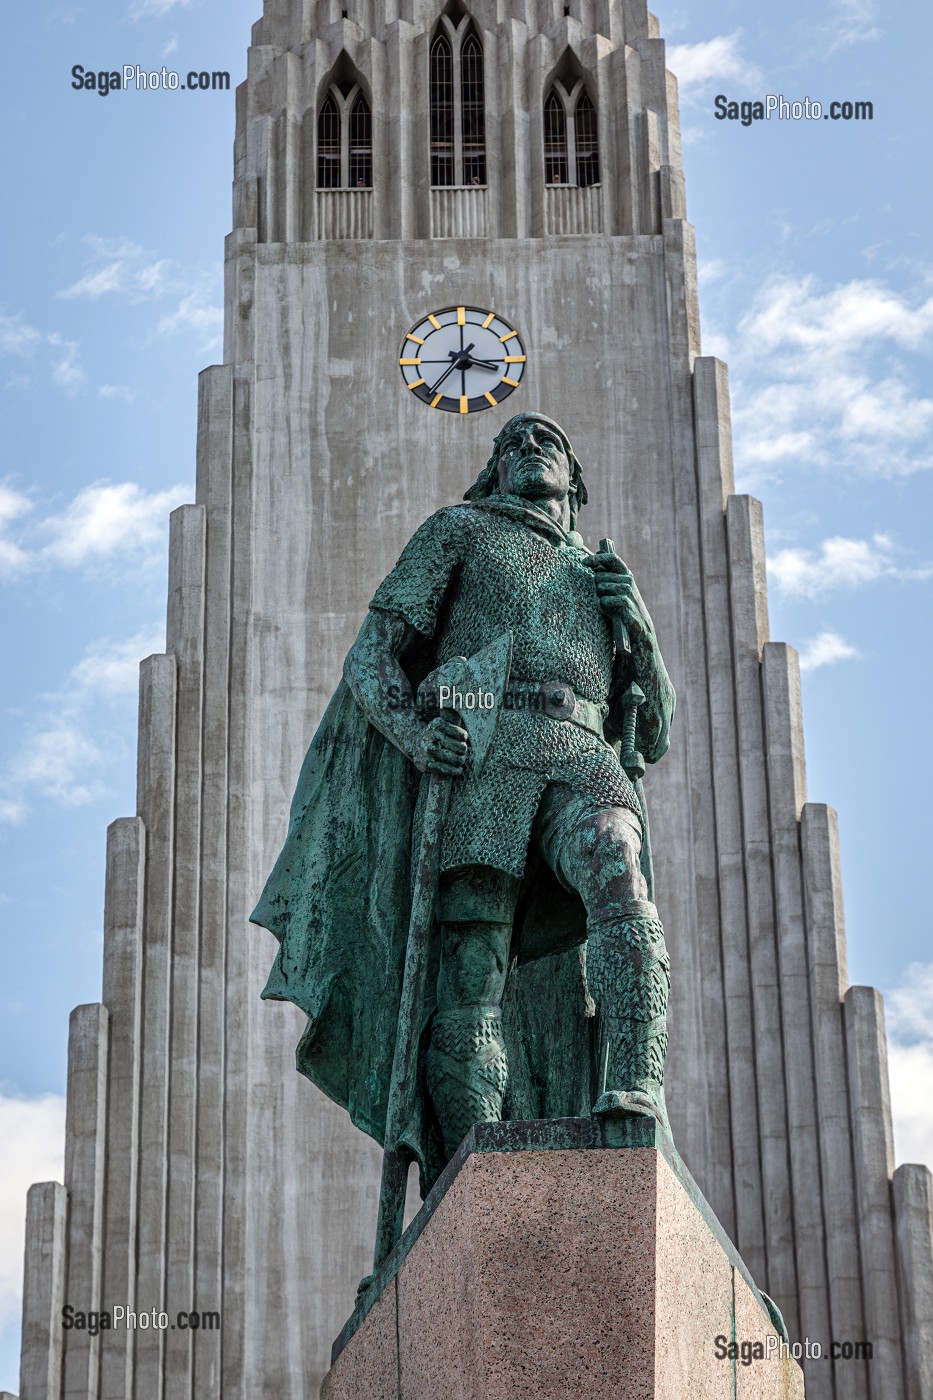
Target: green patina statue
point(453, 905)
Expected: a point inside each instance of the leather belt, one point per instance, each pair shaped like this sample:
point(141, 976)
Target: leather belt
point(556, 700)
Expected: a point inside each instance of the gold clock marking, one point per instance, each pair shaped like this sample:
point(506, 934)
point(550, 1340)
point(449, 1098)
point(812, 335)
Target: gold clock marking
point(509, 360)
point(512, 383)
point(436, 400)
point(415, 361)
point(416, 338)
point(504, 338)
point(489, 320)
point(464, 404)
point(416, 383)
point(434, 322)
point(490, 400)
point(461, 315)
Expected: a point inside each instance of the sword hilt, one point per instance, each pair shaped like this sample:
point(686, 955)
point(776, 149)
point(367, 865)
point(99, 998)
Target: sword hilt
point(619, 630)
point(631, 760)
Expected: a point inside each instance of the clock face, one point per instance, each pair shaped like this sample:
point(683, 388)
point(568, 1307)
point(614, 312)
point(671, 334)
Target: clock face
point(462, 360)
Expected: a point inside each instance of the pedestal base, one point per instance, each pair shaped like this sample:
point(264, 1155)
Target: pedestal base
point(551, 1261)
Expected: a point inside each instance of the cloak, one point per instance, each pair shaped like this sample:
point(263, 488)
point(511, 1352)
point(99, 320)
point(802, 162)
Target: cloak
point(338, 900)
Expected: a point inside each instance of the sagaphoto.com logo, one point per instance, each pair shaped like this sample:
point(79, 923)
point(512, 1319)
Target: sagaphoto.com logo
point(132, 78)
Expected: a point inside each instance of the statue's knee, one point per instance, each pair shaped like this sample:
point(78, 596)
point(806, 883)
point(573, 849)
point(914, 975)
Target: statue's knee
point(477, 894)
point(474, 960)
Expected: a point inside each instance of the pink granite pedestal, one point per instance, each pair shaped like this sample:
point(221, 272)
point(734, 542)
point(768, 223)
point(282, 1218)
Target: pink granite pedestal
point(562, 1273)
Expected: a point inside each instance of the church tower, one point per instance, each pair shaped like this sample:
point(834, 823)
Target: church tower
point(399, 164)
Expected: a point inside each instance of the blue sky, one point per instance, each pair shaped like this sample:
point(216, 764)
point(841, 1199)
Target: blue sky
point(815, 263)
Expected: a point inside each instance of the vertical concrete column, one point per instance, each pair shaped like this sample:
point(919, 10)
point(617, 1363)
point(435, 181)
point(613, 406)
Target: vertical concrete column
point(215, 472)
point(636, 20)
point(873, 1146)
point(85, 1148)
point(156, 807)
point(826, 946)
point(714, 484)
point(748, 600)
point(291, 141)
point(123, 954)
point(787, 793)
point(237, 990)
point(262, 160)
point(619, 159)
point(648, 133)
point(699, 908)
point(913, 1221)
point(529, 70)
point(673, 189)
point(186, 643)
point(40, 1367)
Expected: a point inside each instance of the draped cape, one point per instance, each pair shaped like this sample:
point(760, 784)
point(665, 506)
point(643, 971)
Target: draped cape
point(339, 899)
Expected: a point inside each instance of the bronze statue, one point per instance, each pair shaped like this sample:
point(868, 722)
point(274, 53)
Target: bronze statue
point(517, 877)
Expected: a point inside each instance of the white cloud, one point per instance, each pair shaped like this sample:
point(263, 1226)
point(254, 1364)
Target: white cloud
point(66, 372)
point(24, 341)
point(120, 267)
point(58, 763)
point(118, 523)
point(793, 311)
point(13, 559)
point(16, 338)
point(145, 9)
point(111, 668)
point(171, 47)
point(909, 1016)
point(33, 1135)
point(853, 23)
point(117, 391)
point(194, 313)
point(712, 61)
point(825, 650)
point(65, 755)
point(839, 563)
point(108, 519)
point(823, 378)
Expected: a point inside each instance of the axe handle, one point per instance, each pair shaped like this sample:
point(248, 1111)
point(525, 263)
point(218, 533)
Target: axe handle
point(403, 1086)
point(619, 630)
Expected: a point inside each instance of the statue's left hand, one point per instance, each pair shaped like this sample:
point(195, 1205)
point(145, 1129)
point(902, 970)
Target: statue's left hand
point(617, 592)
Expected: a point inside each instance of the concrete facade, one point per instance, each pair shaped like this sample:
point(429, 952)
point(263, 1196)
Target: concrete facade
point(203, 1172)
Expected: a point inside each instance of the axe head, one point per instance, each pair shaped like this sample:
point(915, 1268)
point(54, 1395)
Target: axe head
point(477, 688)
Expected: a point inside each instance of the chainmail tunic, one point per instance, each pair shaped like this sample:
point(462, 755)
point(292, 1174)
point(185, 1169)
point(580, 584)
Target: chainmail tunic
point(466, 576)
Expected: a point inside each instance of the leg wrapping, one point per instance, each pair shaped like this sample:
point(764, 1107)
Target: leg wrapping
point(628, 970)
point(467, 1070)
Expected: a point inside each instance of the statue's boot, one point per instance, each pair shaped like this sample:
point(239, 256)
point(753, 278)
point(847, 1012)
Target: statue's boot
point(466, 1070)
point(628, 971)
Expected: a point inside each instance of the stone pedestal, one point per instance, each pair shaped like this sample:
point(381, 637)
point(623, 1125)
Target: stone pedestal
point(559, 1260)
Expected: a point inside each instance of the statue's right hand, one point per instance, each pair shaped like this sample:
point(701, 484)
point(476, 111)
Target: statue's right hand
point(441, 747)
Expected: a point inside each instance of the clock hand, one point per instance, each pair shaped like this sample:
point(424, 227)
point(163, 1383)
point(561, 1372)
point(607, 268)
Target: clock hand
point(483, 364)
point(459, 359)
point(449, 370)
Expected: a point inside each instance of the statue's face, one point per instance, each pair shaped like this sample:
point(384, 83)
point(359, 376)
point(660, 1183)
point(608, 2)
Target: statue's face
point(533, 461)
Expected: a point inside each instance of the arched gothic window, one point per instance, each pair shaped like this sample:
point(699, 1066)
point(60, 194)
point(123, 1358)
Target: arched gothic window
point(555, 140)
point(442, 112)
point(328, 145)
point(571, 139)
point(344, 140)
point(458, 106)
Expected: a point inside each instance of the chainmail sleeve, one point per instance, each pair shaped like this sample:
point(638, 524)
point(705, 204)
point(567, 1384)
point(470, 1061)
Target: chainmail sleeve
point(415, 588)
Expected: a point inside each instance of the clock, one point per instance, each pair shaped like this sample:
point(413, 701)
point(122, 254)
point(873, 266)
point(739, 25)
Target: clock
point(462, 359)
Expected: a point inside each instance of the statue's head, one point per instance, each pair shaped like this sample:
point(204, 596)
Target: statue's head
point(532, 457)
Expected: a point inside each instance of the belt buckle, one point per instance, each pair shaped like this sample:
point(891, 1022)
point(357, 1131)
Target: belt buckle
point(559, 700)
